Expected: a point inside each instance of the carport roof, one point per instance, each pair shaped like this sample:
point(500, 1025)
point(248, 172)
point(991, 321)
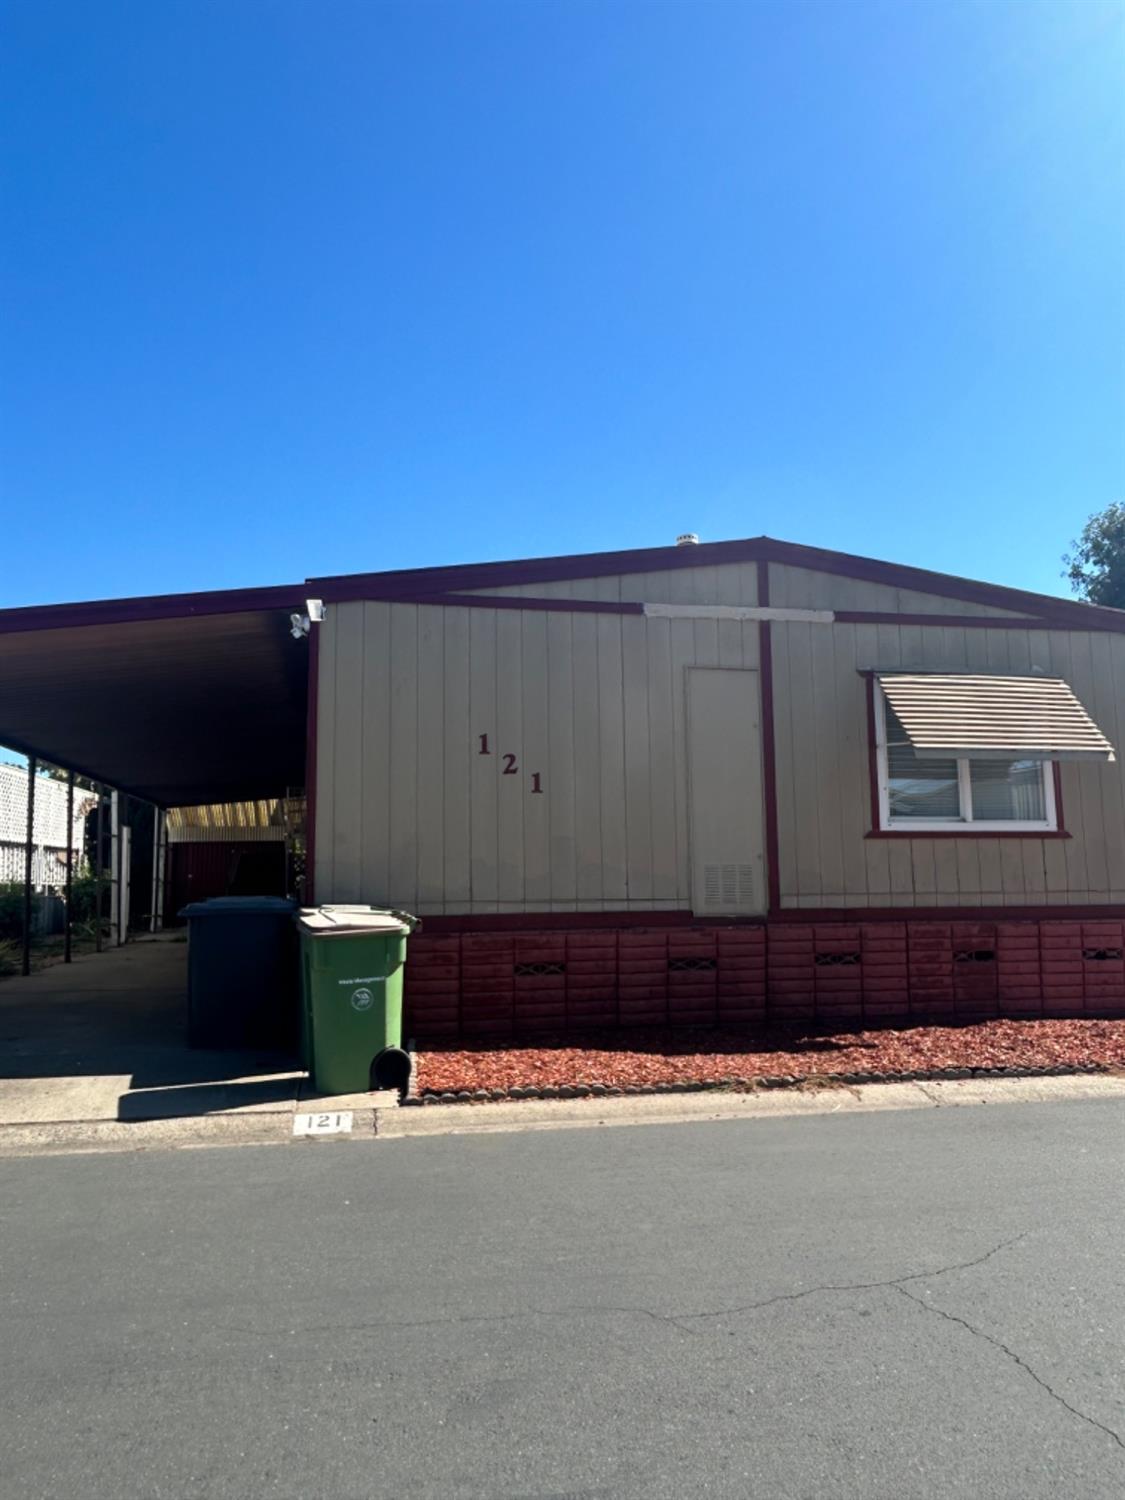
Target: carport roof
point(181, 698)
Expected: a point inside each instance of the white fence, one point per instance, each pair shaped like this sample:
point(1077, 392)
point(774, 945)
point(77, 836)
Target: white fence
point(48, 866)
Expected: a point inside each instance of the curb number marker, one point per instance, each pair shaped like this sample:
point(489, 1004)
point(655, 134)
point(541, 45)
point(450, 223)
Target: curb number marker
point(337, 1123)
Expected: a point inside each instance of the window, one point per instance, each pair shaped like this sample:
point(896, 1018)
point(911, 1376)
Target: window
point(984, 796)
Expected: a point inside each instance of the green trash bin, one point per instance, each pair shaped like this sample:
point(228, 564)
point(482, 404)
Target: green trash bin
point(352, 959)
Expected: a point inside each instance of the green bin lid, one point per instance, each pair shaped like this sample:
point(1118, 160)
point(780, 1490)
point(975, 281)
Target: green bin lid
point(354, 921)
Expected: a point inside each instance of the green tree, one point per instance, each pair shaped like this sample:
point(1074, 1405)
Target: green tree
point(1096, 566)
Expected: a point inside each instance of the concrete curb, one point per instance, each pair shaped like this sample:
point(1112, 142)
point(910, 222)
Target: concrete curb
point(391, 1122)
point(653, 1109)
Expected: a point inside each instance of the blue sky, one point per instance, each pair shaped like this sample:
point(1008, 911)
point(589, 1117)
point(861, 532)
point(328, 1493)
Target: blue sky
point(301, 288)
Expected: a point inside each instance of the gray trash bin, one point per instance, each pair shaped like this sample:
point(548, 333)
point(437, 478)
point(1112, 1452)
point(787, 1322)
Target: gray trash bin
point(243, 974)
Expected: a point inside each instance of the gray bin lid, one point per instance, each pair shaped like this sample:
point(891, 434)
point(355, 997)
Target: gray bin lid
point(240, 906)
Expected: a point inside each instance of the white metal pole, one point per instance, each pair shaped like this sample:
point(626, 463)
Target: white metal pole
point(153, 906)
point(114, 869)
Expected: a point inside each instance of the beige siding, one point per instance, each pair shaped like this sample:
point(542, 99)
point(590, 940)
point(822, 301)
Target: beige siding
point(824, 800)
point(801, 588)
point(410, 813)
point(733, 583)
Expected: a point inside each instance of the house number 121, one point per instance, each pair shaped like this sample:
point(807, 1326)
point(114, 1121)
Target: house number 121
point(511, 764)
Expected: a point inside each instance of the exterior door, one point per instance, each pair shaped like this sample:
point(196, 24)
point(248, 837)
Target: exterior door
point(728, 867)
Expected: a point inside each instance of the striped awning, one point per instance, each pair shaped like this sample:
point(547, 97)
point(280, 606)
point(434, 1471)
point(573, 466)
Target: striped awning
point(993, 718)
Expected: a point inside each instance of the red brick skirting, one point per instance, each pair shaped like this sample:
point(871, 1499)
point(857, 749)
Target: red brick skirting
point(480, 984)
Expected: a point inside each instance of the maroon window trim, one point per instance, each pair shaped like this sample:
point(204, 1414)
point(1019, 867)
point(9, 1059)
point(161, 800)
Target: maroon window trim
point(878, 832)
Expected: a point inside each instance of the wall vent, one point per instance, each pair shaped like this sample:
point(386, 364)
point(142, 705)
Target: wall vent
point(728, 886)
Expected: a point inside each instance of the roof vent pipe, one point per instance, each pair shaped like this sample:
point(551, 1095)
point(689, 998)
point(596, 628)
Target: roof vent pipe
point(687, 539)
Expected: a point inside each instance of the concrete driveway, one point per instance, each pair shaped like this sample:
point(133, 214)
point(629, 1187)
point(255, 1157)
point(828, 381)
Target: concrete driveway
point(104, 1038)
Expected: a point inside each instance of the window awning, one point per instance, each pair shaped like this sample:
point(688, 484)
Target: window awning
point(994, 718)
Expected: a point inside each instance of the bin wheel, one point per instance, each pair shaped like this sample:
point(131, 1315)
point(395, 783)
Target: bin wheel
point(391, 1069)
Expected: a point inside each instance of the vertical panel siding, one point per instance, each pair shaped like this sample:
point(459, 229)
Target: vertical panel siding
point(801, 588)
point(458, 759)
point(403, 786)
point(824, 776)
point(409, 811)
point(373, 808)
point(417, 816)
point(611, 745)
point(559, 760)
point(484, 826)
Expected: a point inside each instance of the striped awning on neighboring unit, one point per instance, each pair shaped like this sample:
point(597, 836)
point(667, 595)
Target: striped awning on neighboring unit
point(993, 718)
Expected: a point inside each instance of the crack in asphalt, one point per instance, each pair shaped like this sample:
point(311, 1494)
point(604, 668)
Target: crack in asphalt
point(678, 1320)
point(859, 1286)
point(1016, 1359)
point(682, 1320)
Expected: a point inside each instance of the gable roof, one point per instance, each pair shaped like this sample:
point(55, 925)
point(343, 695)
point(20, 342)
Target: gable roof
point(432, 583)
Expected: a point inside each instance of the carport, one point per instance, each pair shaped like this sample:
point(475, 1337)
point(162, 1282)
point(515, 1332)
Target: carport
point(176, 700)
point(180, 699)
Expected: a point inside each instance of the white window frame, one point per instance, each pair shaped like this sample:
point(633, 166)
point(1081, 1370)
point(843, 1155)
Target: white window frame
point(965, 823)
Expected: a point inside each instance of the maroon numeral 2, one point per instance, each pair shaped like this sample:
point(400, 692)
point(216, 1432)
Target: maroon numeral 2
point(484, 750)
point(510, 767)
point(536, 781)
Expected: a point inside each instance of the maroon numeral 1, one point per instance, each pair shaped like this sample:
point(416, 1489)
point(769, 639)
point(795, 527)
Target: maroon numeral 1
point(536, 782)
point(510, 767)
point(484, 750)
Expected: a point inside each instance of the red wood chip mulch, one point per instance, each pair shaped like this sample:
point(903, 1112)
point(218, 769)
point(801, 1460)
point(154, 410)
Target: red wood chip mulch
point(683, 1055)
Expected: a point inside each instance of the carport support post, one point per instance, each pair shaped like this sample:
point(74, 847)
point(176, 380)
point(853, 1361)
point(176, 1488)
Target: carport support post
point(99, 869)
point(28, 862)
point(156, 913)
point(69, 860)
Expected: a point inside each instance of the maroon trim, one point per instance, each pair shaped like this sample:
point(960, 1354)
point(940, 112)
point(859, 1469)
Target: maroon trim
point(491, 601)
point(421, 584)
point(310, 764)
point(156, 607)
point(769, 744)
point(872, 752)
point(1065, 613)
point(578, 921)
point(853, 914)
point(1060, 820)
point(537, 569)
point(967, 833)
point(563, 921)
point(969, 622)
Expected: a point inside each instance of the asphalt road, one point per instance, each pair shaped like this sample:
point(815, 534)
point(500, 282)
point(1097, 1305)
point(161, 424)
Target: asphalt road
point(927, 1304)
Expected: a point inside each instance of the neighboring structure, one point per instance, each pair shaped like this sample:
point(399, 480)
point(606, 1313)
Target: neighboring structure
point(48, 869)
point(736, 781)
point(235, 848)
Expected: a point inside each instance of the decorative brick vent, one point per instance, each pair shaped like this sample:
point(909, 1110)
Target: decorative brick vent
point(836, 960)
point(974, 956)
point(692, 965)
point(535, 971)
point(1101, 955)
